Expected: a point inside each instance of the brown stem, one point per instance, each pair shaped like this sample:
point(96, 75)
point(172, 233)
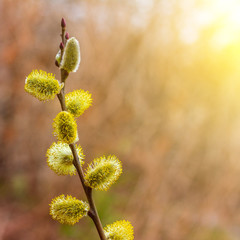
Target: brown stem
point(61, 100)
point(92, 213)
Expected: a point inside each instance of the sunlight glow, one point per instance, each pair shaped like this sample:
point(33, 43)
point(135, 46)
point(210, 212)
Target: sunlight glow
point(223, 15)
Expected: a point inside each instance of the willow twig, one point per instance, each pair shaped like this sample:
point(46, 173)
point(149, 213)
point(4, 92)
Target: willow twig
point(92, 213)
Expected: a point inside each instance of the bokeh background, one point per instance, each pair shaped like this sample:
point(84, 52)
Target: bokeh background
point(165, 80)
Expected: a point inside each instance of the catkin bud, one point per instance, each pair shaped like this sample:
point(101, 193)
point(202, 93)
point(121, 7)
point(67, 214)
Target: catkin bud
point(63, 23)
point(78, 101)
point(119, 230)
point(65, 127)
point(68, 210)
point(103, 172)
point(61, 46)
point(71, 56)
point(60, 158)
point(67, 36)
point(42, 85)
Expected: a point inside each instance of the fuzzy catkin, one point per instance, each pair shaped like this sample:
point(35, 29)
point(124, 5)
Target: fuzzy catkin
point(78, 101)
point(119, 230)
point(60, 158)
point(71, 56)
point(68, 210)
point(103, 172)
point(42, 85)
point(65, 127)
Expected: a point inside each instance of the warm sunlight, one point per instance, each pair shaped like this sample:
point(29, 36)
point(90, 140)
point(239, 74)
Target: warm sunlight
point(163, 79)
point(223, 16)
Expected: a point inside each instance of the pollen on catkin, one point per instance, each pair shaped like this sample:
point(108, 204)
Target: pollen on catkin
point(65, 127)
point(71, 56)
point(103, 172)
point(60, 158)
point(42, 85)
point(119, 230)
point(68, 209)
point(78, 101)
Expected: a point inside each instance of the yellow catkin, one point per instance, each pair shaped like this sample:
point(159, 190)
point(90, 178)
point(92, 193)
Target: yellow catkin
point(60, 158)
point(42, 85)
point(67, 209)
point(65, 127)
point(119, 230)
point(71, 56)
point(78, 101)
point(103, 172)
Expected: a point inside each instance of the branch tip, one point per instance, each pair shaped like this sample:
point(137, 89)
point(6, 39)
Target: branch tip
point(63, 23)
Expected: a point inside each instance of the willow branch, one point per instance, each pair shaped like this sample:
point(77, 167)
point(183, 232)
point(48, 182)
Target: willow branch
point(92, 213)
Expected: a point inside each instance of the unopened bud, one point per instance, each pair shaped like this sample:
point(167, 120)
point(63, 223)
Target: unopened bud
point(67, 35)
point(61, 46)
point(63, 23)
point(71, 56)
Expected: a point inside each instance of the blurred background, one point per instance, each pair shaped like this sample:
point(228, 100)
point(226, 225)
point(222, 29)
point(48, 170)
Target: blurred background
point(165, 81)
